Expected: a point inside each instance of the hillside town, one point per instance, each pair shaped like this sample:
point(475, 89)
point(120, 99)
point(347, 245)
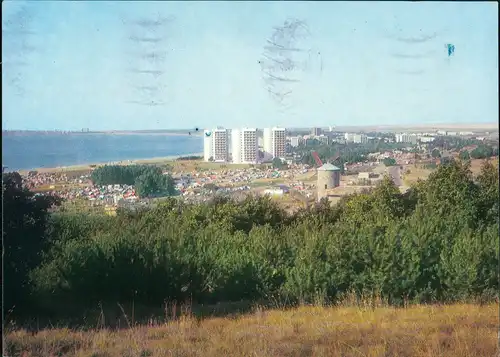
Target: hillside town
point(287, 169)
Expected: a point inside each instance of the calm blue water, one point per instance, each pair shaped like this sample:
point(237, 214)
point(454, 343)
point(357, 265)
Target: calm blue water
point(36, 151)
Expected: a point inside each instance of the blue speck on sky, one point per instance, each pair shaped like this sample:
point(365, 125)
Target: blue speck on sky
point(71, 68)
point(451, 49)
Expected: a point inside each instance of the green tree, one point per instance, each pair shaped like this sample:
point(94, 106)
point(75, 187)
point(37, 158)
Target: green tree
point(25, 220)
point(278, 163)
point(121, 175)
point(464, 155)
point(437, 242)
point(483, 151)
point(488, 183)
point(153, 183)
point(436, 153)
point(389, 161)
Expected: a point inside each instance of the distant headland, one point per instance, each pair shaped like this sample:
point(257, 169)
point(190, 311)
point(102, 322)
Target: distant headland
point(198, 131)
point(179, 132)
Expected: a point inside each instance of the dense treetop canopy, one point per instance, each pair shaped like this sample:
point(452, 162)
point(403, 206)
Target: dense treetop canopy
point(437, 242)
point(148, 180)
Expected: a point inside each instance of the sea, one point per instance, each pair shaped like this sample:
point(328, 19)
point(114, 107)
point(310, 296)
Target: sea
point(31, 151)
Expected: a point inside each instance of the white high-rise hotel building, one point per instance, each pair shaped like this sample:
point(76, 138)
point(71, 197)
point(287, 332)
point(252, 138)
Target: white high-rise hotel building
point(275, 142)
point(245, 146)
point(216, 145)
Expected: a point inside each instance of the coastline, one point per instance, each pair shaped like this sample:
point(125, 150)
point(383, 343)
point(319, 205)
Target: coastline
point(27, 133)
point(143, 133)
point(88, 166)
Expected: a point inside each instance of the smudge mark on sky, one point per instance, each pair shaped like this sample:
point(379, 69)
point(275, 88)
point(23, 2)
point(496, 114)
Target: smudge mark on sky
point(413, 56)
point(18, 48)
point(417, 39)
point(147, 48)
point(151, 103)
point(415, 72)
point(286, 58)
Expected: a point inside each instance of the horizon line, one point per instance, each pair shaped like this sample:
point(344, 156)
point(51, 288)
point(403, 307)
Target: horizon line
point(415, 125)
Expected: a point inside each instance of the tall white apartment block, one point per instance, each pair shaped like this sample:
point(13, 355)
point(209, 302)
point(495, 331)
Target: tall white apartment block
point(360, 138)
point(267, 144)
point(406, 138)
point(426, 139)
point(323, 139)
point(207, 145)
point(316, 131)
point(356, 138)
point(245, 146)
point(296, 141)
point(275, 142)
point(216, 145)
point(236, 146)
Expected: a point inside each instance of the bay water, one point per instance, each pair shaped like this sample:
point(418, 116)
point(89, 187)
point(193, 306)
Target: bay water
point(30, 151)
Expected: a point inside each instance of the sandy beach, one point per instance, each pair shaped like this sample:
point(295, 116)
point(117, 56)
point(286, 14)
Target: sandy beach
point(89, 166)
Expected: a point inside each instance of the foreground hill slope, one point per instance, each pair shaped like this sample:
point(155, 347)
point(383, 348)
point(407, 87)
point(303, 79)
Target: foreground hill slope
point(453, 330)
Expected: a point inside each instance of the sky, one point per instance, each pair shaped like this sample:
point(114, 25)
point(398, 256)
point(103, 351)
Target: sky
point(73, 65)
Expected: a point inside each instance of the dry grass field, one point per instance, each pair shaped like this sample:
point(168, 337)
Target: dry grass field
point(421, 331)
point(177, 165)
point(59, 187)
point(192, 165)
point(336, 194)
point(475, 165)
point(412, 174)
point(70, 171)
point(419, 172)
point(307, 177)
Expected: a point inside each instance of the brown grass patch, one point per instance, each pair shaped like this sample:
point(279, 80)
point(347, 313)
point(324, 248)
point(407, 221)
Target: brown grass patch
point(476, 164)
point(308, 176)
point(177, 165)
point(455, 330)
point(59, 187)
point(412, 173)
point(193, 165)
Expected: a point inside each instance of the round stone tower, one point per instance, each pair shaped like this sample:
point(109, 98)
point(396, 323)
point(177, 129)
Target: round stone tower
point(328, 178)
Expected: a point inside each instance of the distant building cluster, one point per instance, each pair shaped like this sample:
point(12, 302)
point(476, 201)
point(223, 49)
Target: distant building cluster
point(316, 131)
point(252, 145)
point(323, 136)
point(241, 145)
point(356, 138)
point(414, 138)
point(407, 138)
point(296, 141)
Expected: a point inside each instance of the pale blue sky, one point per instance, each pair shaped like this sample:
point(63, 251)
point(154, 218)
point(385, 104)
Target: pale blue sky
point(77, 75)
